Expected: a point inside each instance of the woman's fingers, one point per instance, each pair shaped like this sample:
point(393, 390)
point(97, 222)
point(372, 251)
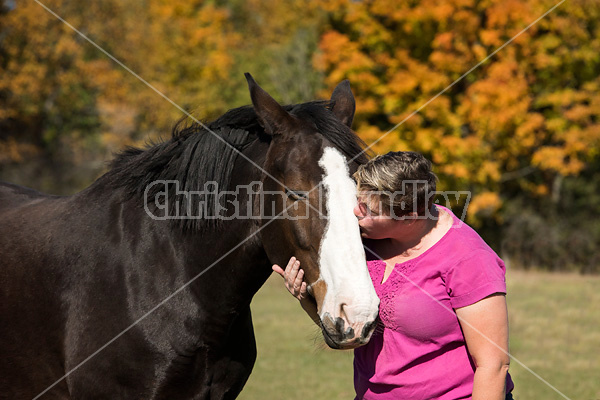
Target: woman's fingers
point(298, 282)
point(293, 277)
point(290, 266)
point(291, 270)
point(279, 270)
point(303, 290)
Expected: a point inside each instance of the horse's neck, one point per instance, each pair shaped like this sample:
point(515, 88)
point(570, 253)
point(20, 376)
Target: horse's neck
point(230, 258)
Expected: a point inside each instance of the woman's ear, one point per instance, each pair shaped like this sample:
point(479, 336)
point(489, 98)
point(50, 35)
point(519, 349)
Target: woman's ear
point(410, 218)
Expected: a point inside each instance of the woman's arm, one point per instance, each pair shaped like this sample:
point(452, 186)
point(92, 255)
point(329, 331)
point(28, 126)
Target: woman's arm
point(485, 326)
point(293, 277)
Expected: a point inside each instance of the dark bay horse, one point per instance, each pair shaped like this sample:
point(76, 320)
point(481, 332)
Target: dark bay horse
point(192, 225)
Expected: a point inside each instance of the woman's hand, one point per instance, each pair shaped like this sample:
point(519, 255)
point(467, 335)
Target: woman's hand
point(293, 277)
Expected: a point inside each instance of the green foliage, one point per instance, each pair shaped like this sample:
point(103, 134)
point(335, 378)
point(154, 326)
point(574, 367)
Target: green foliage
point(553, 232)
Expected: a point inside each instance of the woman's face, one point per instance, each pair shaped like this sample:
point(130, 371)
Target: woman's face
point(374, 219)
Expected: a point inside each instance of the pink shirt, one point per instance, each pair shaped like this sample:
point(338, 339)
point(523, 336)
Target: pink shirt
point(418, 351)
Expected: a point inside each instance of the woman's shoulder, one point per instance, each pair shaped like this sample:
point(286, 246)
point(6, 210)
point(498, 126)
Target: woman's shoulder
point(460, 229)
point(461, 241)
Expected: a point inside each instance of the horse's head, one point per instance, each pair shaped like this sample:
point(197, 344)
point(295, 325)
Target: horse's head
point(307, 202)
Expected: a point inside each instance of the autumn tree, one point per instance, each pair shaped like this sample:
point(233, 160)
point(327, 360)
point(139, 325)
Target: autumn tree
point(65, 106)
point(64, 103)
point(48, 88)
point(516, 127)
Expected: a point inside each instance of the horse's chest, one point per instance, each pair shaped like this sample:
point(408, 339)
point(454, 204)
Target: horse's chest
point(216, 370)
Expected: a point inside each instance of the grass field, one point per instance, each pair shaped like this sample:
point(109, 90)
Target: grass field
point(554, 328)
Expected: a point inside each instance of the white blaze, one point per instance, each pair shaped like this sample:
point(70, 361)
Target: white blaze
point(342, 260)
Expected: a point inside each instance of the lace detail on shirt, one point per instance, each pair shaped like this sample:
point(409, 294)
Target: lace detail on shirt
point(389, 290)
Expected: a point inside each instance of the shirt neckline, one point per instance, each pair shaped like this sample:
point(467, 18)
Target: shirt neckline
point(407, 263)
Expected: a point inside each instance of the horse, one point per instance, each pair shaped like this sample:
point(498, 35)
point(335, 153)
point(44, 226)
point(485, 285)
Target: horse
point(139, 286)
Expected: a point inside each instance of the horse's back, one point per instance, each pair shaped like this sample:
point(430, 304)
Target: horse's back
point(23, 215)
point(13, 196)
point(24, 219)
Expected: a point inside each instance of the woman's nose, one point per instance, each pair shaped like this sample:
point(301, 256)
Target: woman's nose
point(357, 212)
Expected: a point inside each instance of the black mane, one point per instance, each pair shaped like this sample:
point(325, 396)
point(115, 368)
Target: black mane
point(194, 156)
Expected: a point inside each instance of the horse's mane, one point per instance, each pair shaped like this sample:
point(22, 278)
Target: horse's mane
point(194, 156)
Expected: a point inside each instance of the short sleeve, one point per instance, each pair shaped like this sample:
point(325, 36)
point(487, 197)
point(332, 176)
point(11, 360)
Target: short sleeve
point(475, 277)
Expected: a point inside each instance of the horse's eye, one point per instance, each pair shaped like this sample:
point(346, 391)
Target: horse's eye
point(296, 195)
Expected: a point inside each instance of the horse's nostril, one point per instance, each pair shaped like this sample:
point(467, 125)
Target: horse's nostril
point(369, 326)
point(349, 334)
point(339, 325)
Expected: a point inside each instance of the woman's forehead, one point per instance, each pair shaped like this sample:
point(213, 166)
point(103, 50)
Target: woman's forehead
point(368, 196)
point(363, 193)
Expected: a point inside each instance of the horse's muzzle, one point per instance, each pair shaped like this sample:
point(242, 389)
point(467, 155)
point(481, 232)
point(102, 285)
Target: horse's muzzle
point(338, 335)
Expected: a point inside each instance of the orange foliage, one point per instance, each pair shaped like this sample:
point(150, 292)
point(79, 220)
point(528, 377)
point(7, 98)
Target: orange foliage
point(62, 96)
point(534, 103)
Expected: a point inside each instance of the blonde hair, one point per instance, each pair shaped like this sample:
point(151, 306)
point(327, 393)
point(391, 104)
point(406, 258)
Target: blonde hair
point(403, 181)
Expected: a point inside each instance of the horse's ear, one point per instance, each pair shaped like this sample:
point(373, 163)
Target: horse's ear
point(344, 104)
point(271, 116)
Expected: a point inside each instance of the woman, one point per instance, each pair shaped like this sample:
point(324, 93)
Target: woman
point(443, 330)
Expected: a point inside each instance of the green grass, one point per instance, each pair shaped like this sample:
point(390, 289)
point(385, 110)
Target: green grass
point(554, 331)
